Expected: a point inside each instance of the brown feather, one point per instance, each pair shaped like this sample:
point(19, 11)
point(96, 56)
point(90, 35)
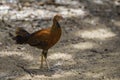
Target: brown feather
point(42, 39)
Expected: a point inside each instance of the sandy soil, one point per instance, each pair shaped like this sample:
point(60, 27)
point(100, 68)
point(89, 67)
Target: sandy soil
point(89, 48)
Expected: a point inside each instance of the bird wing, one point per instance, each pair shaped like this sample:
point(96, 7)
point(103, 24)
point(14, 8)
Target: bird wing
point(39, 38)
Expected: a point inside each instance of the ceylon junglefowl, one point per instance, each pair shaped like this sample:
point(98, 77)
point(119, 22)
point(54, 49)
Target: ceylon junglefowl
point(43, 39)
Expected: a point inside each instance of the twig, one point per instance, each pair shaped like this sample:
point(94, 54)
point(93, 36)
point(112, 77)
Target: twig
point(55, 4)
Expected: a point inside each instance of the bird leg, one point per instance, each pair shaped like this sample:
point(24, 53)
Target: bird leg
point(44, 56)
point(41, 66)
point(47, 63)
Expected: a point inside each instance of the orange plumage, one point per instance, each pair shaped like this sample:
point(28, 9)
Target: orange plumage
point(42, 39)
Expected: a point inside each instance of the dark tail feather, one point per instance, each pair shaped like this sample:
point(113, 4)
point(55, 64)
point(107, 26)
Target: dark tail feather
point(22, 36)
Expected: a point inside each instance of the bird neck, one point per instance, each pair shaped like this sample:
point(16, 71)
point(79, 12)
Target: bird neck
point(55, 24)
point(55, 29)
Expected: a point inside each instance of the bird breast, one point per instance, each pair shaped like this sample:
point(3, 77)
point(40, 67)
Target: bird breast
point(55, 36)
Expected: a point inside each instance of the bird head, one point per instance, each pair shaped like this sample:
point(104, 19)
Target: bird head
point(58, 17)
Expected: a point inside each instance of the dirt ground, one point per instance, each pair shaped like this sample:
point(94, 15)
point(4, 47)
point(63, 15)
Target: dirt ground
point(89, 48)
